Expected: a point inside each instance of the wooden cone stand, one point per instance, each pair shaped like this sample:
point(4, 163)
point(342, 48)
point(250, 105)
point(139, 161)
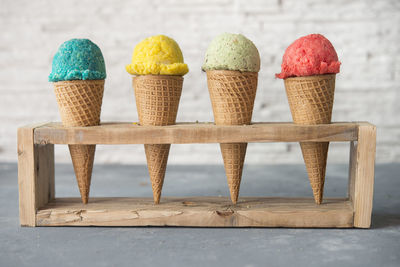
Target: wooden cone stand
point(39, 206)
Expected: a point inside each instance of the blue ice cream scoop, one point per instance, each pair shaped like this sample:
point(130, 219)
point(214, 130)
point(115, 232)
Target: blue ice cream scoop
point(78, 59)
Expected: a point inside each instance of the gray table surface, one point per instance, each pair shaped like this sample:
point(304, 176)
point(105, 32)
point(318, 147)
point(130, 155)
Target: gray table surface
point(171, 246)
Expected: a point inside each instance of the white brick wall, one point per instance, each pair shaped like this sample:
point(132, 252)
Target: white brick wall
point(366, 35)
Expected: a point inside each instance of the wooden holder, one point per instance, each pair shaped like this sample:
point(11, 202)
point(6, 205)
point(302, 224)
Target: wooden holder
point(39, 207)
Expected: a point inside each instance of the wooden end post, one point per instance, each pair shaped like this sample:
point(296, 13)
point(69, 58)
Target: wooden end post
point(361, 174)
point(35, 175)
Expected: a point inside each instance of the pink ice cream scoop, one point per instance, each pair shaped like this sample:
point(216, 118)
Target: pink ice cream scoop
point(309, 55)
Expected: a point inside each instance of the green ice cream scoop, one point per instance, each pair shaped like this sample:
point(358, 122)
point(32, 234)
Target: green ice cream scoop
point(78, 59)
point(232, 52)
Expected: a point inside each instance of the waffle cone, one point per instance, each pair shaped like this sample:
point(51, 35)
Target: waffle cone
point(232, 96)
point(157, 102)
point(311, 101)
point(79, 104)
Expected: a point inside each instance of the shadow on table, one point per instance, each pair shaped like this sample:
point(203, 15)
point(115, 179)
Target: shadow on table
point(380, 221)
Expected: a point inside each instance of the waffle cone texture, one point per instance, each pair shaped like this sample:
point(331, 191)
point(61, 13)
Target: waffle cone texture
point(232, 95)
point(79, 104)
point(311, 100)
point(157, 102)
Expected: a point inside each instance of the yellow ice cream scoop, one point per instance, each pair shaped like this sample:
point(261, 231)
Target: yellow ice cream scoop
point(158, 55)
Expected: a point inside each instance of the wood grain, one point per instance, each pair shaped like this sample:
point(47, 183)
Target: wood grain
point(184, 133)
point(197, 212)
point(363, 165)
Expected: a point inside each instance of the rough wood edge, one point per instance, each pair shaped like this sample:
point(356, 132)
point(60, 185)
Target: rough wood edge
point(184, 133)
point(198, 212)
point(361, 192)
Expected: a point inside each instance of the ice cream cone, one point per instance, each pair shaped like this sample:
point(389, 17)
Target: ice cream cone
point(79, 103)
point(157, 101)
point(82, 159)
point(232, 96)
point(311, 101)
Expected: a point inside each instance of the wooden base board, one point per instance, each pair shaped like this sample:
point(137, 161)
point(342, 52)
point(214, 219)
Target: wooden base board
point(198, 212)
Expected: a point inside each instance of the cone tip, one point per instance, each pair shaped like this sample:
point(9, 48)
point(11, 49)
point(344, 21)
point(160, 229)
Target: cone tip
point(318, 199)
point(234, 197)
point(156, 198)
point(85, 199)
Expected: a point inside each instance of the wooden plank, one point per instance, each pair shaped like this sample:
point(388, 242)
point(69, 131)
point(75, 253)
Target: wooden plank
point(184, 133)
point(364, 165)
point(27, 174)
point(197, 212)
point(45, 184)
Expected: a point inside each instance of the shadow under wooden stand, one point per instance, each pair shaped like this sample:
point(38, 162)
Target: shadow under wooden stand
point(39, 207)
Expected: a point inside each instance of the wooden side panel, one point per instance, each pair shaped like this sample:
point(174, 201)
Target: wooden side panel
point(35, 174)
point(197, 212)
point(364, 168)
point(26, 177)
